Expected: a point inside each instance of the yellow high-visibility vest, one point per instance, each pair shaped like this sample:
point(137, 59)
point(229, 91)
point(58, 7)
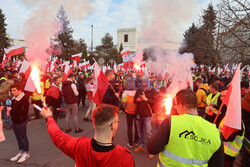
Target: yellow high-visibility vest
point(209, 99)
point(233, 148)
point(192, 142)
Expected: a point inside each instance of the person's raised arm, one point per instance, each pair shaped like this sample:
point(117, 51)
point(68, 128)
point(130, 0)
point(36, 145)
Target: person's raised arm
point(64, 142)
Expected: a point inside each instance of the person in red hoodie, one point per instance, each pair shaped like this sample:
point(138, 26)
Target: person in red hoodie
point(98, 151)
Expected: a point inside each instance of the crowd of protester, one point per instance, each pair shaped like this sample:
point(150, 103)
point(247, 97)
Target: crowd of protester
point(140, 97)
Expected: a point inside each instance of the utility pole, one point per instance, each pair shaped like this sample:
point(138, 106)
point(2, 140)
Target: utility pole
point(92, 40)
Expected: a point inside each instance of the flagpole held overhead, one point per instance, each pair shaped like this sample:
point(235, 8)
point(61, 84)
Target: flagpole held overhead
point(232, 120)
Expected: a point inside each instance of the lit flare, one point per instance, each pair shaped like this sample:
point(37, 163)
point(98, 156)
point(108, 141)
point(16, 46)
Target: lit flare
point(35, 77)
point(137, 66)
point(168, 104)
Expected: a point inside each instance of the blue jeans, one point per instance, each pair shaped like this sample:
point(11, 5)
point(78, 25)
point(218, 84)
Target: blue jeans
point(7, 119)
point(144, 123)
point(21, 136)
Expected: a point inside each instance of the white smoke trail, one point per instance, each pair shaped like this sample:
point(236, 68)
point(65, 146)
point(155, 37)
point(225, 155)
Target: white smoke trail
point(42, 25)
point(161, 22)
point(179, 69)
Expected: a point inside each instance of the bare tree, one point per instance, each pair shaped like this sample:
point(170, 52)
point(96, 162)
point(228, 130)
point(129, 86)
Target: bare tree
point(233, 36)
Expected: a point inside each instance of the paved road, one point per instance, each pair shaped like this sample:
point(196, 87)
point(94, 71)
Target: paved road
point(45, 154)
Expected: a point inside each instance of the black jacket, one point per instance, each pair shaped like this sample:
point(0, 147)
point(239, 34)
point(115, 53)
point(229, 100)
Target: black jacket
point(19, 110)
point(80, 86)
point(144, 108)
point(110, 97)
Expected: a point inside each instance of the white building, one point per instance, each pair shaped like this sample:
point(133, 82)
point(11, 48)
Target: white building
point(128, 37)
point(14, 42)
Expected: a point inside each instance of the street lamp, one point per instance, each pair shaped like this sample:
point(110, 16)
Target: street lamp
point(91, 39)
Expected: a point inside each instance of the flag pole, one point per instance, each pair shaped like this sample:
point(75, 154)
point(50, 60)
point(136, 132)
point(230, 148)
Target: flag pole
point(109, 82)
point(218, 113)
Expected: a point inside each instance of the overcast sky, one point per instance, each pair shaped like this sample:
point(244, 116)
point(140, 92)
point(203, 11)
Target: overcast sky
point(106, 16)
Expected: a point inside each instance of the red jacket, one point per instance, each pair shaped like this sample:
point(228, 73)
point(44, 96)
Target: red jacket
point(80, 149)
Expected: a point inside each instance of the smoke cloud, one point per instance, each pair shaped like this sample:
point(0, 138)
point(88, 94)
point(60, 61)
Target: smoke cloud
point(161, 22)
point(179, 68)
point(42, 24)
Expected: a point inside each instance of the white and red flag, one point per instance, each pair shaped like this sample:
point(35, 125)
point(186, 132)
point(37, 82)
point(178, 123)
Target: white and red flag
point(60, 62)
point(53, 65)
point(24, 66)
point(125, 51)
point(14, 50)
point(67, 71)
point(4, 61)
point(115, 68)
point(81, 65)
point(19, 63)
point(26, 69)
point(65, 63)
point(86, 64)
point(101, 84)
point(232, 120)
point(76, 57)
point(74, 64)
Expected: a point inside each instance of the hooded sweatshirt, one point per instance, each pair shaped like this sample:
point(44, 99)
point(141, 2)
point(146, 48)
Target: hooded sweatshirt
point(201, 95)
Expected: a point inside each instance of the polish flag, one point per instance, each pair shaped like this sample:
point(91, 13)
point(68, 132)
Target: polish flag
point(232, 120)
point(14, 50)
point(48, 63)
point(74, 64)
point(125, 51)
point(115, 68)
point(65, 63)
point(76, 57)
point(24, 66)
point(26, 69)
point(81, 65)
point(4, 61)
point(121, 66)
point(53, 65)
point(86, 64)
point(101, 84)
point(60, 62)
point(67, 71)
point(19, 63)
point(143, 65)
